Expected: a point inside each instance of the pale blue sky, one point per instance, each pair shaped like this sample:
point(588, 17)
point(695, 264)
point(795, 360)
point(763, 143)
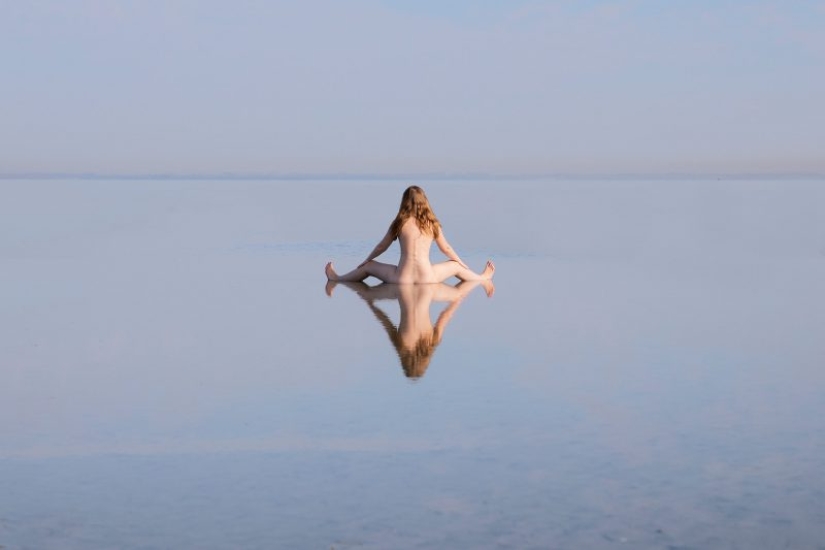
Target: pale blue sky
point(379, 87)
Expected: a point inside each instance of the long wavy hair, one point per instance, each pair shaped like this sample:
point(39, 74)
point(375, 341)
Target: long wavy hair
point(414, 204)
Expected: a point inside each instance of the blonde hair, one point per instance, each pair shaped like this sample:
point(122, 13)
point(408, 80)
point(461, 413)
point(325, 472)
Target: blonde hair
point(414, 204)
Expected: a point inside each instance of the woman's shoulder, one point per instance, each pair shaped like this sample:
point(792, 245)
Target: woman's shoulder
point(409, 228)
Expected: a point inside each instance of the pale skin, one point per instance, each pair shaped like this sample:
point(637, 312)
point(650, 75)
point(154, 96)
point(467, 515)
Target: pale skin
point(414, 266)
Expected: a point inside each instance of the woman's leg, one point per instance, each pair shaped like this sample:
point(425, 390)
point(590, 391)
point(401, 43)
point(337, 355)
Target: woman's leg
point(385, 272)
point(445, 270)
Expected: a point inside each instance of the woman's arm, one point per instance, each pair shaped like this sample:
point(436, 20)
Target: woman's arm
point(380, 248)
point(448, 251)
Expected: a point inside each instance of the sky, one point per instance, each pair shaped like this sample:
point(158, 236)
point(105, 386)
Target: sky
point(588, 87)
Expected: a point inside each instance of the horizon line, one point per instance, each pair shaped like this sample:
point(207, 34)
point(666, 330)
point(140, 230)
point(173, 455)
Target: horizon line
point(396, 176)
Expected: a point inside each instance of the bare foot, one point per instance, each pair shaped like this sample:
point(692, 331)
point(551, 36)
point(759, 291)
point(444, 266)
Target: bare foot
point(489, 288)
point(331, 275)
point(329, 287)
point(488, 270)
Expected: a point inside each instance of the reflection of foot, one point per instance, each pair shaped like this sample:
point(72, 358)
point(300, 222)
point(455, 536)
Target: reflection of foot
point(488, 270)
point(330, 286)
point(489, 288)
point(331, 275)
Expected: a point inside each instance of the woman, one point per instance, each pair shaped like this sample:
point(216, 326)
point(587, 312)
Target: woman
point(415, 227)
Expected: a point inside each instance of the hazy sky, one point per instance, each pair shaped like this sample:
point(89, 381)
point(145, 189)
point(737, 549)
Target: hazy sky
point(371, 86)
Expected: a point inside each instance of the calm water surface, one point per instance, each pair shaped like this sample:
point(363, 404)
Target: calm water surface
point(648, 373)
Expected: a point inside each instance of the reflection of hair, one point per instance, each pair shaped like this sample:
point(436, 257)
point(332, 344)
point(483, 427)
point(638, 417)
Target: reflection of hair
point(414, 360)
point(414, 204)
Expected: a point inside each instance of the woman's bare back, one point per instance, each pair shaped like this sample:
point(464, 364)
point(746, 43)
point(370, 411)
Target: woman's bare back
point(414, 265)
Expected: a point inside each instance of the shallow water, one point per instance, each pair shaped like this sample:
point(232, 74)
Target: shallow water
point(648, 373)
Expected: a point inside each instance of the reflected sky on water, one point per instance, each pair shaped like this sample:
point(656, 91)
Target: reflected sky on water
point(647, 372)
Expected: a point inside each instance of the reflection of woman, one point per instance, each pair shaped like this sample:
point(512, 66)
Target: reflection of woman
point(415, 338)
point(415, 227)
